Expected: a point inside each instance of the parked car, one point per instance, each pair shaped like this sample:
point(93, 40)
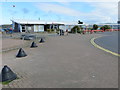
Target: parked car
point(8, 30)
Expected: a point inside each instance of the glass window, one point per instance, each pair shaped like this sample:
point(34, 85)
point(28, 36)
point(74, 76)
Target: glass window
point(23, 27)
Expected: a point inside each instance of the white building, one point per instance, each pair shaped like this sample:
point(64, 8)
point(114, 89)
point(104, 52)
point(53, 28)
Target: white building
point(40, 26)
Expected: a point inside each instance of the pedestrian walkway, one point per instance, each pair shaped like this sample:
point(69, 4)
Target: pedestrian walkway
point(64, 62)
point(9, 43)
point(12, 44)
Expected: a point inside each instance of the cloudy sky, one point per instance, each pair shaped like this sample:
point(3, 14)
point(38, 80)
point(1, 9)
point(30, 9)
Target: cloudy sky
point(88, 12)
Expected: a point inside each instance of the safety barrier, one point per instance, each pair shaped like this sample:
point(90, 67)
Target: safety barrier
point(112, 29)
point(91, 31)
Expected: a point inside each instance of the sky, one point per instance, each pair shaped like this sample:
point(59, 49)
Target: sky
point(87, 12)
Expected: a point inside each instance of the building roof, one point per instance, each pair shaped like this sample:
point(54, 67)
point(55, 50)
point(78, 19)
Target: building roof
point(20, 21)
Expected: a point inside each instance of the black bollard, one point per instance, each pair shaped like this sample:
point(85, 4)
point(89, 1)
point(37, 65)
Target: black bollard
point(42, 40)
point(21, 53)
point(33, 45)
point(7, 74)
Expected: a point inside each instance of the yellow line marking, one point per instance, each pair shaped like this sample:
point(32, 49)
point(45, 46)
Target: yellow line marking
point(106, 50)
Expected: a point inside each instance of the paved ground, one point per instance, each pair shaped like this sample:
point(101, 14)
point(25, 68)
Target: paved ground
point(64, 62)
point(11, 43)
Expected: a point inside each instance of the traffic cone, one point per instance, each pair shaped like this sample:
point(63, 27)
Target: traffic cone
point(42, 40)
point(7, 74)
point(33, 45)
point(21, 53)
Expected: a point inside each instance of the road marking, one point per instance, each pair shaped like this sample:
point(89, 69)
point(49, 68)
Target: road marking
point(106, 50)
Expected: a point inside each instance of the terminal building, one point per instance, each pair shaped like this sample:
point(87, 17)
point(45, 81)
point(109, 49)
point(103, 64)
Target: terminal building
point(40, 26)
point(30, 26)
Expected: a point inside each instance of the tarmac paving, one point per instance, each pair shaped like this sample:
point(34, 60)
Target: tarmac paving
point(11, 43)
point(110, 42)
point(63, 62)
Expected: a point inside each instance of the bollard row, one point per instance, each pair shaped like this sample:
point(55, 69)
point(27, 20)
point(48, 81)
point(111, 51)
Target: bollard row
point(7, 74)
